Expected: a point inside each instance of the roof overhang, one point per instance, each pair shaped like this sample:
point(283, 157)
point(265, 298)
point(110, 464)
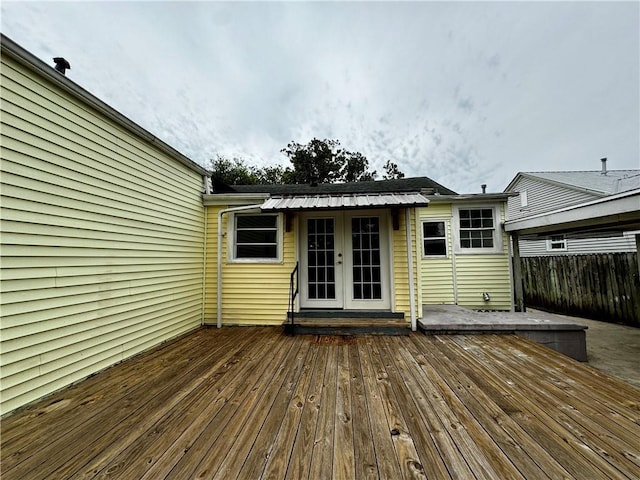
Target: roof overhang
point(343, 201)
point(610, 215)
point(227, 199)
point(471, 198)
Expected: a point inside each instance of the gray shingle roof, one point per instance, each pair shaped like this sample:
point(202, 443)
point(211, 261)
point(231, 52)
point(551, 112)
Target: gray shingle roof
point(414, 184)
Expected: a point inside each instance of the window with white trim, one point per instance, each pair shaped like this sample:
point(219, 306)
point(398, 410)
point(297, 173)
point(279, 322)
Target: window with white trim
point(524, 201)
point(256, 237)
point(557, 243)
point(476, 228)
point(434, 239)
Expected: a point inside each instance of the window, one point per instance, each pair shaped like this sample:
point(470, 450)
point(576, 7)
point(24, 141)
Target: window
point(557, 243)
point(476, 228)
point(256, 237)
point(524, 201)
point(434, 239)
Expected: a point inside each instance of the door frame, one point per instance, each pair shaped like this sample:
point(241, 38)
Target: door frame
point(343, 245)
point(305, 301)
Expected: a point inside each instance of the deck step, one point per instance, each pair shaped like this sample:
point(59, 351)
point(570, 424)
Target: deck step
point(349, 326)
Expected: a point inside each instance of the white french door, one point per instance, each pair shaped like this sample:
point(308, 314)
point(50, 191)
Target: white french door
point(344, 260)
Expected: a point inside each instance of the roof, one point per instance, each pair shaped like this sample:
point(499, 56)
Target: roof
point(413, 184)
point(614, 214)
point(341, 201)
point(30, 61)
point(614, 181)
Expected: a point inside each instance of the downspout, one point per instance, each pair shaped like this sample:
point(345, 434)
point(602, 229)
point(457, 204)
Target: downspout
point(412, 293)
point(419, 262)
point(204, 269)
point(220, 238)
point(207, 190)
point(454, 276)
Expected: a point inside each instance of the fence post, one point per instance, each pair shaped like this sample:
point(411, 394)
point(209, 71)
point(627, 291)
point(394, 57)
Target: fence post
point(517, 274)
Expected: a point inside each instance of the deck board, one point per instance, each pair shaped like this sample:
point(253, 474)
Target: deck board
point(253, 403)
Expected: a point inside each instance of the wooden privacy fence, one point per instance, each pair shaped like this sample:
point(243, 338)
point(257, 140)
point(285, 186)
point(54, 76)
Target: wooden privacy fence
point(601, 286)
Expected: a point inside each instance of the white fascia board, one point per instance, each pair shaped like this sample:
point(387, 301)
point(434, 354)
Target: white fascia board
point(217, 199)
point(612, 207)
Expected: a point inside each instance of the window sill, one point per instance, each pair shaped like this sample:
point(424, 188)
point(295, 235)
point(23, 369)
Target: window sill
point(256, 261)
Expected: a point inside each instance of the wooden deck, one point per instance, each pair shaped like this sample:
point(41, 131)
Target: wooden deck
point(252, 403)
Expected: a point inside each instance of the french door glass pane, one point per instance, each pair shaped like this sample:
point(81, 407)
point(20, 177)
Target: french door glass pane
point(320, 259)
point(365, 233)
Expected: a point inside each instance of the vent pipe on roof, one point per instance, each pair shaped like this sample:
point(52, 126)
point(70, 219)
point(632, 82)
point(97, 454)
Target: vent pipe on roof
point(604, 166)
point(61, 65)
point(484, 187)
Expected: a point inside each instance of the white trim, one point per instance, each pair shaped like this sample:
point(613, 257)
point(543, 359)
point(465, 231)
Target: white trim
point(524, 200)
point(593, 213)
point(383, 303)
point(342, 228)
point(447, 226)
point(417, 221)
point(550, 241)
point(497, 248)
point(338, 250)
point(412, 293)
point(217, 199)
point(231, 239)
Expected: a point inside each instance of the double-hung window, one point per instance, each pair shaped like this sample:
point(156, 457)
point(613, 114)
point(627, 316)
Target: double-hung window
point(478, 230)
point(434, 239)
point(557, 243)
point(256, 237)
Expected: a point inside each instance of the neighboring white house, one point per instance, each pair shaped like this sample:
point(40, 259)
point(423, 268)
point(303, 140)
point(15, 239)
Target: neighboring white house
point(541, 192)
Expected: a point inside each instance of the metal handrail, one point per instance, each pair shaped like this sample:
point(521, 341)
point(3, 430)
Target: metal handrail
point(292, 298)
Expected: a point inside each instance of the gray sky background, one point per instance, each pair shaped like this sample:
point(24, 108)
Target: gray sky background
point(465, 93)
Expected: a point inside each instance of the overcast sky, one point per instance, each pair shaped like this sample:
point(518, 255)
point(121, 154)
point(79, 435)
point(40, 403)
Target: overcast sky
point(464, 93)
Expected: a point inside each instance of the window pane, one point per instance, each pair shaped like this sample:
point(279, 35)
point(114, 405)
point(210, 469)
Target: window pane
point(257, 251)
point(435, 247)
point(256, 221)
point(256, 236)
point(476, 228)
point(377, 291)
point(433, 229)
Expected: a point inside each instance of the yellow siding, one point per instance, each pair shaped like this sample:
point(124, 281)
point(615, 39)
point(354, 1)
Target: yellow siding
point(400, 267)
point(437, 273)
point(252, 293)
point(473, 274)
point(485, 273)
point(102, 241)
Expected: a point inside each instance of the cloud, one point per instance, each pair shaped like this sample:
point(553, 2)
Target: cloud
point(458, 92)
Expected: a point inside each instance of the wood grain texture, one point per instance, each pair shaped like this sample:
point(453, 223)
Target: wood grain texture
point(253, 403)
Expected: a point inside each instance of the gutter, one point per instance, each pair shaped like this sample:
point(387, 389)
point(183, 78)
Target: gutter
point(220, 238)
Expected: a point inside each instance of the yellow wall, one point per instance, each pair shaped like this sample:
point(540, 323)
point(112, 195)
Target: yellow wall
point(102, 240)
point(471, 274)
point(252, 293)
point(400, 267)
point(257, 294)
point(437, 272)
